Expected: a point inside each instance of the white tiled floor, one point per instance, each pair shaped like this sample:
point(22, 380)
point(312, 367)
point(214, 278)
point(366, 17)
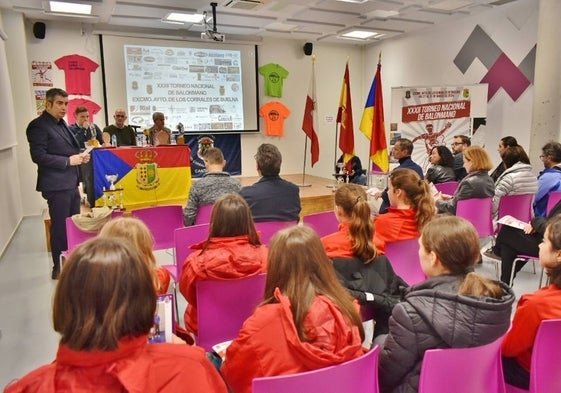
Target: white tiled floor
point(27, 338)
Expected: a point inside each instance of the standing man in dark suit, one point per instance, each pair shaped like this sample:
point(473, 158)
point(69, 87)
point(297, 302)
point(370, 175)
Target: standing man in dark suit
point(56, 152)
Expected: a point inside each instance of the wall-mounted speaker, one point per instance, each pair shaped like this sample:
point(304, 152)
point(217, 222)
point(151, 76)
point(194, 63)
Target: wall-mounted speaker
point(39, 30)
point(308, 48)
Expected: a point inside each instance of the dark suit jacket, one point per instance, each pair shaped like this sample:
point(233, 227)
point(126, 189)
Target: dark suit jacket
point(273, 199)
point(51, 144)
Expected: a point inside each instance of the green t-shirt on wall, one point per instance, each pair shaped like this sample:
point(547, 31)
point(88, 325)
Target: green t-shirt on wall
point(274, 75)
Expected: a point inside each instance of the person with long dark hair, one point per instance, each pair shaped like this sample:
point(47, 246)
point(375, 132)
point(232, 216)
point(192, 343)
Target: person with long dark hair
point(233, 250)
point(442, 168)
point(306, 322)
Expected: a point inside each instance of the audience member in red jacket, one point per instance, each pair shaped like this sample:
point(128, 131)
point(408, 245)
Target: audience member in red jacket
point(532, 309)
point(306, 322)
point(135, 231)
point(232, 250)
point(411, 206)
point(103, 308)
point(355, 234)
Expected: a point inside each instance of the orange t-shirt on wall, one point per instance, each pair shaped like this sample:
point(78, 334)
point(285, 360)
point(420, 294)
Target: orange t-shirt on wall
point(274, 113)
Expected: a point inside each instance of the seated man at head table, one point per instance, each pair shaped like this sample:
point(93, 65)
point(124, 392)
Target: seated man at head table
point(158, 134)
point(125, 134)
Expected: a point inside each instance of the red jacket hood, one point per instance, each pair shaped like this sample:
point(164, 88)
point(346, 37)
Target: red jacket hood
point(330, 337)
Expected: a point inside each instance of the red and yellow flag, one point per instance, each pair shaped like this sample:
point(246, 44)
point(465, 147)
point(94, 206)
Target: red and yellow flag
point(345, 119)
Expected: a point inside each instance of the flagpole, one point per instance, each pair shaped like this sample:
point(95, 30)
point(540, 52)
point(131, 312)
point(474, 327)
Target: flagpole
point(303, 184)
point(313, 97)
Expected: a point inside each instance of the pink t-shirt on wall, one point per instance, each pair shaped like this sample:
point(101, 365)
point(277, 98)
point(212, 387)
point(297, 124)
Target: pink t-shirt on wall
point(91, 106)
point(77, 71)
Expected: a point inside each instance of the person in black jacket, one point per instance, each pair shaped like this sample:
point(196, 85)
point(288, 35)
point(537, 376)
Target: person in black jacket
point(512, 242)
point(56, 152)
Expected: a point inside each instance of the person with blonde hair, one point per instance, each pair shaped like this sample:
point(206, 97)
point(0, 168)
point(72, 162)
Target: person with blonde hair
point(306, 322)
point(476, 184)
point(104, 308)
point(453, 308)
point(354, 237)
point(135, 231)
point(233, 250)
point(411, 207)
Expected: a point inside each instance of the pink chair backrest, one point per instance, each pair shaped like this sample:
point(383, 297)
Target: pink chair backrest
point(224, 305)
point(267, 229)
point(75, 236)
point(546, 360)
point(404, 258)
point(182, 239)
point(359, 375)
point(517, 206)
point(203, 214)
point(323, 223)
point(552, 200)
point(478, 211)
point(448, 187)
point(162, 222)
point(463, 370)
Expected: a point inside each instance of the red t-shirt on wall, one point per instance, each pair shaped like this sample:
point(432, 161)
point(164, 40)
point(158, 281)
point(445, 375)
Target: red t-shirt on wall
point(91, 106)
point(274, 113)
point(77, 71)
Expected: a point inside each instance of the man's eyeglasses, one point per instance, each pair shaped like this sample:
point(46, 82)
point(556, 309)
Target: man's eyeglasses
point(457, 143)
point(120, 116)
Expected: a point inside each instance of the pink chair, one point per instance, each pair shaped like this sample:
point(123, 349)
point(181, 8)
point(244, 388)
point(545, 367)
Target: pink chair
point(183, 238)
point(323, 223)
point(552, 200)
point(359, 375)
point(75, 236)
point(545, 370)
point(203, 214)
point(224, 305)
point(267, 229)
point(448, 187)
point(162, 222)
point(463, 370)
point(478, 211)
point(404, 258)
point(517, 206)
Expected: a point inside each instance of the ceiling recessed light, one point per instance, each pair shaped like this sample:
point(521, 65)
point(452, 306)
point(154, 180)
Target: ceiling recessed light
point(183, 18)
point(360, 34)
point(70, 8)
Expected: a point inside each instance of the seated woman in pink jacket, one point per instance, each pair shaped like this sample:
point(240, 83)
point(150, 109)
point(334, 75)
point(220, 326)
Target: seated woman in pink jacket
point(306, 322)
point(104, 308)
point(411, 207)
point(232, 250)
point(532, 309)
point(355, 234)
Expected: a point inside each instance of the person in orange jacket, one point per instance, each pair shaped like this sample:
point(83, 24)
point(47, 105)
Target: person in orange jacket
point(306, 322)
point(103, 308)
point(532, 309)
point(354, 237)
point(233, 250)
point(411, 207)
point(139, 235)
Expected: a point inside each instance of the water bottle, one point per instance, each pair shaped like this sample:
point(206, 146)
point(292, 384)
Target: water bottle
point(114, 140)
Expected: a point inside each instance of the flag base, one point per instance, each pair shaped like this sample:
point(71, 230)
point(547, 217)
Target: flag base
point(304, 185)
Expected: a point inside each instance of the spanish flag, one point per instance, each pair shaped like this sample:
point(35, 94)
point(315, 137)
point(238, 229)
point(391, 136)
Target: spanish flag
point(147, 175)
point(345, 119)
point(372, 124)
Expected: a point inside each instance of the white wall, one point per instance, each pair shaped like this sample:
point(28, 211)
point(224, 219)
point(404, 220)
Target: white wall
point(426, 58)
point(10, 195)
